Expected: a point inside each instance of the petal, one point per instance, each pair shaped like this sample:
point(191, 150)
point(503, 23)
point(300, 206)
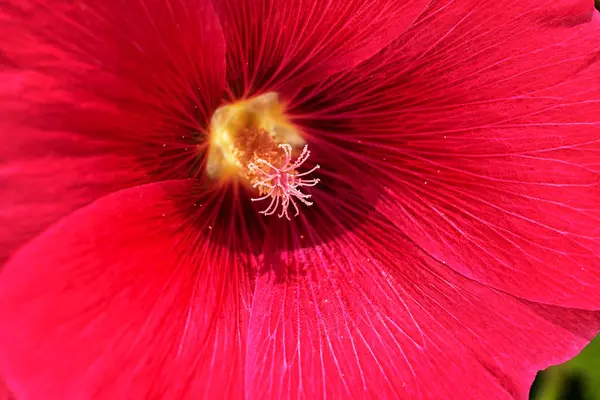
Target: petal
point(4, 392)
point(272, 42)
point(480, 130)
point(132, 297)
point(365, 314)
point(98, 96)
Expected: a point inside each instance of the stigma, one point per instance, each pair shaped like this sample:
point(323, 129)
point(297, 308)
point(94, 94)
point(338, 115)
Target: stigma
point(252, 142)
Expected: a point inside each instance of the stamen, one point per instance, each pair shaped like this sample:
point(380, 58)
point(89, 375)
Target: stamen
point(282, 183)
point(252, 143)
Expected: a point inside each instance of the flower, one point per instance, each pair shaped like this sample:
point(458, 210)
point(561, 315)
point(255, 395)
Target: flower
point(452, 247)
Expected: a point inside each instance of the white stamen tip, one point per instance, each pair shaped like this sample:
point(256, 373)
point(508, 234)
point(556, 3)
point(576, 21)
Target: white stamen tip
point(284, 182)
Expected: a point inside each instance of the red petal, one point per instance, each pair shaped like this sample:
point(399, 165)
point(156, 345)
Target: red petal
point(98, 96)
point(270, 42)
point(4, 392)
point(480, 131)
point(368, 315)
point(132, 297)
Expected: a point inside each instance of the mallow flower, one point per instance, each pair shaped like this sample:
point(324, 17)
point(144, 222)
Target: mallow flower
point(385, 199)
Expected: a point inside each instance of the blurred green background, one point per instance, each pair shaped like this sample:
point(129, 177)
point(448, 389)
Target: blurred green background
point(578, 379)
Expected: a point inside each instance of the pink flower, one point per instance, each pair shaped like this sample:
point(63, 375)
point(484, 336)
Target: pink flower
point(451, 249)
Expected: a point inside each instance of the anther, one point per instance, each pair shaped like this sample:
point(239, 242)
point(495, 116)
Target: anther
point(282, 184)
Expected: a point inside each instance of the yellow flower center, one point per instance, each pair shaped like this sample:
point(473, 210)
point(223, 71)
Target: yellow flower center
point(253, 142)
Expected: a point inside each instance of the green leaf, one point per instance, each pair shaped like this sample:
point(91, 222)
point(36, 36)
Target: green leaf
point(578, 378)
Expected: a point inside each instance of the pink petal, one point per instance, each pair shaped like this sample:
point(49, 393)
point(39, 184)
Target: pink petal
point(365, 314)
point(97, 96)
point(271, 42)
point(479, 131)
point(132, 297)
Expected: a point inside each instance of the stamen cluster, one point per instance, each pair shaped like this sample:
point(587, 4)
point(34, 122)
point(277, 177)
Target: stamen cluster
point(282, 184)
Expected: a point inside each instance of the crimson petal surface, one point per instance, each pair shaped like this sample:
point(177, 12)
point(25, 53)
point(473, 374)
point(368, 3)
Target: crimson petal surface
point(369, 315)
point(284, 45)
point(98, 96)
point(480, 128)
point(129, 297)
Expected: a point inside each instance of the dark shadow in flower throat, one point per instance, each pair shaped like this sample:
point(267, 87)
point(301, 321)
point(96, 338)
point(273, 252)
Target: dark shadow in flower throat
point(225, 215)
point(344, 201)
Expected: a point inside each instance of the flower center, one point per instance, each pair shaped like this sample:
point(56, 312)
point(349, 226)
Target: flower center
point(253, 142)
